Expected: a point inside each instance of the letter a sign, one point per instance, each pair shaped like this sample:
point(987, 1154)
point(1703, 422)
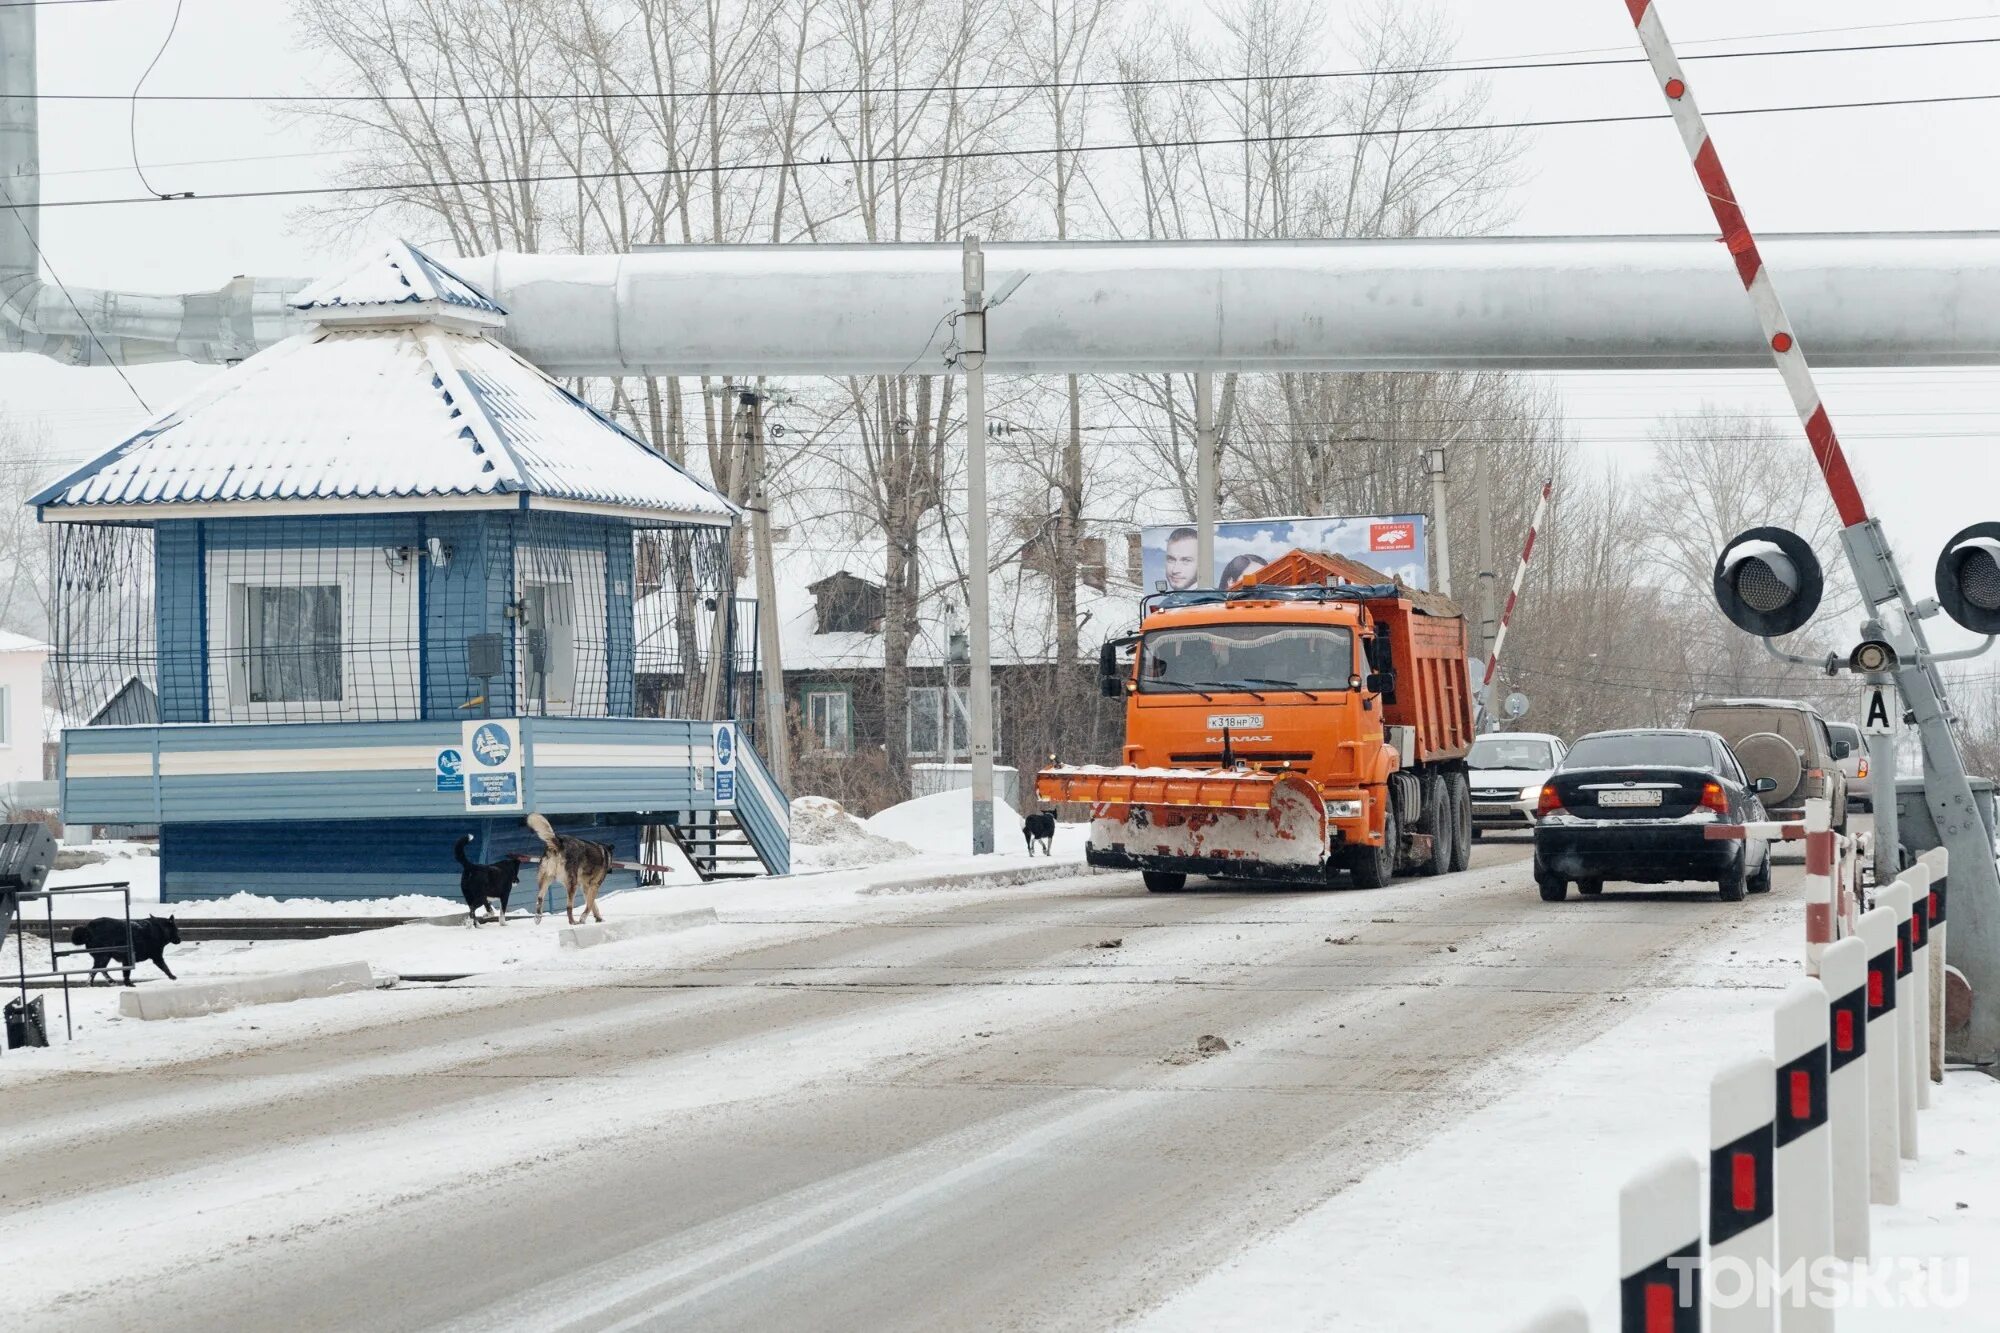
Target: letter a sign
point(1875, 713)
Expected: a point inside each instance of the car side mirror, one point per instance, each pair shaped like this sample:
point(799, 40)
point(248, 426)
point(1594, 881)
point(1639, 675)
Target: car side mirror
point(1762, 785)
point(1841, 749)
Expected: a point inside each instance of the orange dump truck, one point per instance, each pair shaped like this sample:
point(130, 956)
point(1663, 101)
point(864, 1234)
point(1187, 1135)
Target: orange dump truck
point(1310, 721)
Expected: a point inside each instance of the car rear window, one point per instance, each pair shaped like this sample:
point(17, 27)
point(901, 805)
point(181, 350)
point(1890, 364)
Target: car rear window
point(1642, 750)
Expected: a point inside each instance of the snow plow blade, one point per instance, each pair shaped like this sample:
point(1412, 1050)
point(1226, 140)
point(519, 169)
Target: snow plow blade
point(1223, 822)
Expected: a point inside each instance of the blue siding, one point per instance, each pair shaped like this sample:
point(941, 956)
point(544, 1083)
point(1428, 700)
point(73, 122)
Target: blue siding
point(178, 617)
point(318, 859)
point(459, 602)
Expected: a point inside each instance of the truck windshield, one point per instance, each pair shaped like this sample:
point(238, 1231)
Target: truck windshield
point(1246, 657)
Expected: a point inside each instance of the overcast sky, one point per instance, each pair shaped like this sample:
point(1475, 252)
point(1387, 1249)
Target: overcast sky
point(1920, 439)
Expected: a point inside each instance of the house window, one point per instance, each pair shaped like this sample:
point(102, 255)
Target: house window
point(1091, 561)
point(828, 718)
point(847, 605)
point(291, 643)
point(927, 721)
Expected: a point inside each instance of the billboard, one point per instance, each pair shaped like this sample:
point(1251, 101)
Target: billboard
point(1393, 543)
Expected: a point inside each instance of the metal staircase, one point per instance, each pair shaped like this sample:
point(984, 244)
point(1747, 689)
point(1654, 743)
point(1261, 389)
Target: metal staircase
point(716, 845)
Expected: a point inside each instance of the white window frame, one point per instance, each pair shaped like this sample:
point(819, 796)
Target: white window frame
point(845, 711)
point(373, 588)
point(582, 691)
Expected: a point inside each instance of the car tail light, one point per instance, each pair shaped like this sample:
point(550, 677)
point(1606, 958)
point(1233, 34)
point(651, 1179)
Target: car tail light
point(1714, 798)
point(1862, 770)
point(1549, 801)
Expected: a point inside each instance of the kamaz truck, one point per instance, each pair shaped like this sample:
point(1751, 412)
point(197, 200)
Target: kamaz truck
point(1309, 724)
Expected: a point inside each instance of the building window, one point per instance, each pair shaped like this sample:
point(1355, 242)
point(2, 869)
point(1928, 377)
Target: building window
point(291, 643)
point(927, 721)
point(844, 604)
point(1091, 570)
point(829, 719)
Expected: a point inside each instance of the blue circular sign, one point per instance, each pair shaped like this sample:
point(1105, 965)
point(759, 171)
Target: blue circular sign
point(449, 762)
point(725, 747)
point(491, 745)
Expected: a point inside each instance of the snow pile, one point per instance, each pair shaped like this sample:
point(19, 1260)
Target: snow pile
point(942, 824)
point(826, 837)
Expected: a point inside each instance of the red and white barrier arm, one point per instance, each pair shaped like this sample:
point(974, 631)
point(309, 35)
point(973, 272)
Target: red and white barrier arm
point(1513, 596)
point(1822, 891)
point(1770, 830)
point(1783, 341)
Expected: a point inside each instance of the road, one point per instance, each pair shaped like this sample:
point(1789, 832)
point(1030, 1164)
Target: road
point(922, 1114)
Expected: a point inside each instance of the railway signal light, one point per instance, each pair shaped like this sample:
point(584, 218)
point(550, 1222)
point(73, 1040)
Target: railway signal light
point(1768, 581)
point(1968, 578)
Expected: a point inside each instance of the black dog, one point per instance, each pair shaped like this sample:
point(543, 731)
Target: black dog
point(106, 939)
point(482, 883)
point(1040, 827)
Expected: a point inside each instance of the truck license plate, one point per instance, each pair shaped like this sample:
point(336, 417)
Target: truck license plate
point(1234, 721)
point(1636, 797)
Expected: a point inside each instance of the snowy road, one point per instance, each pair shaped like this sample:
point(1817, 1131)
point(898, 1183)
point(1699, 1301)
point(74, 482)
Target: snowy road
point(918, 1112)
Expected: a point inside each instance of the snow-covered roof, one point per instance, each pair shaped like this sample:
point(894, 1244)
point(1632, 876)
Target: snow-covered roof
point(380, 281)
point(405, 415)
point(11, 642)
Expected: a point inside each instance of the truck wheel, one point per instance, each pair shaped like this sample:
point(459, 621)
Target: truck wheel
point(1460, 787)
point(1372, 867)
point(1163, 881)
point(1441, 822)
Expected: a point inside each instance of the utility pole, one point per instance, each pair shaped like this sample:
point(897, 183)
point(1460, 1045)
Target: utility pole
point(972, 359)
point(774, 737)
point(1440, 530)
point(1204, 476)
point(1488, 578)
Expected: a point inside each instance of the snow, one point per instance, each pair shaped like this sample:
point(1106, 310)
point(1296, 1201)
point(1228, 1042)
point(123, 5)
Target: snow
point(1517, 1204)
point(826, 837)
point(941, 822)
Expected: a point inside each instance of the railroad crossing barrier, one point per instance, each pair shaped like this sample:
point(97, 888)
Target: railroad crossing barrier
point(1834, 864)
point(1802, 1176)
point(1884, 1058)
point(1844, 978)
point(1742, 1232)
point(1659, 1248)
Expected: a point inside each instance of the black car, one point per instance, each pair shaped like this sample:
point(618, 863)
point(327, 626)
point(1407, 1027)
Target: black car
point(1633, 805)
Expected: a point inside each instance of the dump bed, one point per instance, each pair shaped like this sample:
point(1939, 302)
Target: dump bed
point(1426, 647)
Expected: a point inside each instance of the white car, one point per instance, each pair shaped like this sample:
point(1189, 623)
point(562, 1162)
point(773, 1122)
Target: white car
point(1506, 771)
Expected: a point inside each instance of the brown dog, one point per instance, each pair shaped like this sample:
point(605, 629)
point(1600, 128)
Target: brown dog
point(580, 866)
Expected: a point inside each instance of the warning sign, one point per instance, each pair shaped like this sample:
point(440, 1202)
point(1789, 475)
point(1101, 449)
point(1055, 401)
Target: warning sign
point(1875, 714)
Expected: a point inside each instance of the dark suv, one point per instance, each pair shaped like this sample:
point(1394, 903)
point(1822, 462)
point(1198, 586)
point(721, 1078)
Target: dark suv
point(1786, 741)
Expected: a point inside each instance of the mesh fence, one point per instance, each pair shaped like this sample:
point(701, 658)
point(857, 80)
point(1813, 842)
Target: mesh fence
point(392, 617)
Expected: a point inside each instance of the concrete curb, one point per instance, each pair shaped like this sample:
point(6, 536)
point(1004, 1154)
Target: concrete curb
point(980, 879)
point(633, 927)
point(187, 999)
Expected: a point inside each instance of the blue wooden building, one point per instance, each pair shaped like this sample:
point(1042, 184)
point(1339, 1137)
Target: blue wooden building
point(334, 560)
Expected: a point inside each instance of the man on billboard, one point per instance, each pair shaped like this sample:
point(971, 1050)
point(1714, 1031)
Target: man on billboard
point(1182, 572)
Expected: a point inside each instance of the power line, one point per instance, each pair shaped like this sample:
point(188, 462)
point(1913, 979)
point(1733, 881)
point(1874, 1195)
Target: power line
point(899, 159)
point(132, 120)
point(28, 231)
point(1491, 66)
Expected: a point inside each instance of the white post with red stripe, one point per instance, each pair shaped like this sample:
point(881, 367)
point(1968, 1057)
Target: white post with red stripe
point(1804, 1172)
point(1513, 596)
point(1742, 1226)
point(1822, 898)
point(1894, 897)
point(1884, 1057)
point(1918, 877)
point(1939, 861)
point(1659, 1248)
point(1843, 974)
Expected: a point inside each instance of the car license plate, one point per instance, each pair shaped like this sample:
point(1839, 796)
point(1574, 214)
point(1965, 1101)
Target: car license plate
point(1634, 797)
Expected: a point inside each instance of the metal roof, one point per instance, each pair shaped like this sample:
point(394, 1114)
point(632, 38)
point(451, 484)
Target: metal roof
point(396, 274)
point(337, 419)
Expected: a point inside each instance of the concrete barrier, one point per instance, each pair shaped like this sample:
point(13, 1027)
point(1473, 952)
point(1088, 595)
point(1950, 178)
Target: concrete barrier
point(1918, 877)
point(1659, 1248)
point(1742, 1183)
point(1884, 1058)
point(187, 999)
point(1803, 1178)
point(1844, 977)
point(633, 928)
point(1896, 897)
point(1937, 859)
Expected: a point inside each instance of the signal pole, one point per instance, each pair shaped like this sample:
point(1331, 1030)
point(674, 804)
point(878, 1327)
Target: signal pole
point(1974, 876)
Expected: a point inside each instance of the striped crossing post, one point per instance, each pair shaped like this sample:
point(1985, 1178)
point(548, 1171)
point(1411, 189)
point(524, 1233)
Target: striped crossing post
point(1918, 877)
point(1895, 896)
point(1844, 977)
point(1822, 897)
point(1937, 860)
point(1659, 1248)
point(1513, 596)
point(1804, 1173)
point(1884, 1056)
point(1742, 1182)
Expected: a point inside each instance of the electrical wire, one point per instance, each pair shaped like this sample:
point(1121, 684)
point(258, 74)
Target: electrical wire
point(132, 120)
point(898, 159)
point(28, 231)
point(1501, 64)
